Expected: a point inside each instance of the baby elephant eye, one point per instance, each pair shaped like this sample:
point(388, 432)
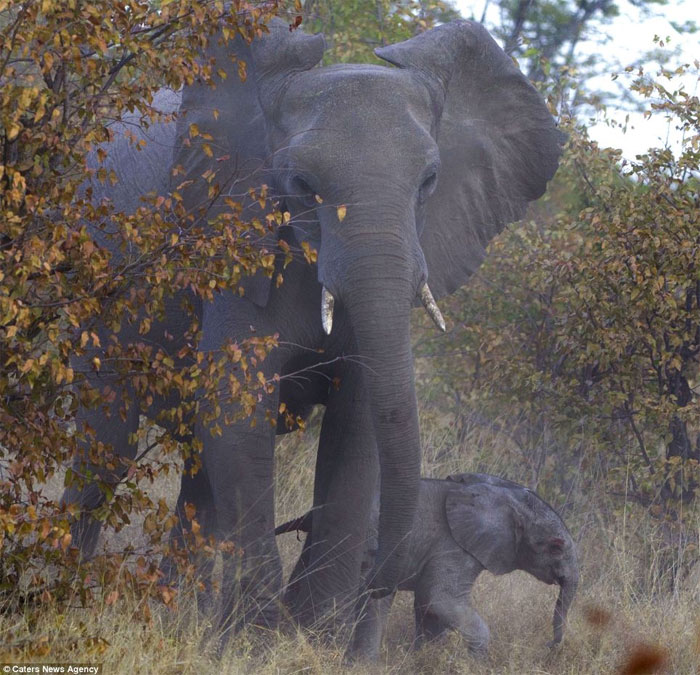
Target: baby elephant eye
point(428, 187)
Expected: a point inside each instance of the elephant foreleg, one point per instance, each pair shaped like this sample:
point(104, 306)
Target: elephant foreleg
point(85, 492)
point(195, 491)
point(240, 469)
point(369, 629)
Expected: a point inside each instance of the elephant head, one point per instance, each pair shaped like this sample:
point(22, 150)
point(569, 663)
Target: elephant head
point(398, 177)
point(507, 527)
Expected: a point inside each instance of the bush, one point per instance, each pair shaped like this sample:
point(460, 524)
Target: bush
point(70, 262)
point(584, 325)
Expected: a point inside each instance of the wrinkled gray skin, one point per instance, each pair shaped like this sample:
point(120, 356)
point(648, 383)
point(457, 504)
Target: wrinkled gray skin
point(464, 525)
point(432, 158)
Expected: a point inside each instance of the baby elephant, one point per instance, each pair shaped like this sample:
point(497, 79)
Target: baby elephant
point(465, 524)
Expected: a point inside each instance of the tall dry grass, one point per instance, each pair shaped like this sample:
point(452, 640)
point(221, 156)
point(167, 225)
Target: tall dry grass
point(628, 603)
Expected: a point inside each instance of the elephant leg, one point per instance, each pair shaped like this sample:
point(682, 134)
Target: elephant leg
point(326, 581)
point(106, 421)
point(240, 468)
point(298, 588)
point(299, 578)
point(369, 629)
point(90, 466)
point(195, 490)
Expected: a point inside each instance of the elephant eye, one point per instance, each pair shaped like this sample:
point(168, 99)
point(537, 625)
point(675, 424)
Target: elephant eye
point(304, 193)
point(428, 187)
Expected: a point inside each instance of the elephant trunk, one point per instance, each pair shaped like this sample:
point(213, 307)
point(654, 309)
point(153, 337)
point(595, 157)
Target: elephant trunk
point(378, 293)
point(567, 591)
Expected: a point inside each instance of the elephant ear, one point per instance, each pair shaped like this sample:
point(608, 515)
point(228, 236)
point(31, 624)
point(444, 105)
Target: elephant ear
point(278, 55)
point(485, 521)
point(498, 144)
point(281, 53)
point(221, 142)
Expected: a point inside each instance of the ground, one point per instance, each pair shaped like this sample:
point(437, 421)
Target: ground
point(626, 608)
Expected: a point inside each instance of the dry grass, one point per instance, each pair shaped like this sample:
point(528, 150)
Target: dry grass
point(623, 601)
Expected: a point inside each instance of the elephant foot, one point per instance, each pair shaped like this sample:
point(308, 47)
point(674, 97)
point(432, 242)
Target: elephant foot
point(360, 655)
point(201, 587)
point(254, 634)
point(327, 616)
point(85, 533)
point(251, 604)
point(328, 623)
point(169, 575)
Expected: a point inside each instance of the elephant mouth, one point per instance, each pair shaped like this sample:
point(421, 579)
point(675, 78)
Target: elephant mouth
point(426, 298)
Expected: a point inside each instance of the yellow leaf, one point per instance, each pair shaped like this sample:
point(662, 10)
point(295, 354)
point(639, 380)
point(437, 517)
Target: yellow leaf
point(341, 211)
point(190, 511)
point(309, 253)
point(13, 131)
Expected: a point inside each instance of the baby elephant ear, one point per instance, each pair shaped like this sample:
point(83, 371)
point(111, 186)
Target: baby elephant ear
point(498, 143)
point(485, 522)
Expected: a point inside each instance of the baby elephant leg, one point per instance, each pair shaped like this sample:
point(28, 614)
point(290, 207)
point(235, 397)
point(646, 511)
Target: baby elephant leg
point(437, 613)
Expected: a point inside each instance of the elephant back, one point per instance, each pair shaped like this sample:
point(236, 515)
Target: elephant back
point(139, 156)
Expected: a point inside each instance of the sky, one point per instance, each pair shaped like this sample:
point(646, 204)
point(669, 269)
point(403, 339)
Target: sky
point(620, 43)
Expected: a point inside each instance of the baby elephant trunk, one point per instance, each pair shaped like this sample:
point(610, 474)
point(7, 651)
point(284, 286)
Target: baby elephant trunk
point(567, 591)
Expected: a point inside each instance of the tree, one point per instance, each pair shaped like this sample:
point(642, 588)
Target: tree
point(354, 29)
point(585, 325)
point(550, 31)
point(67, 70)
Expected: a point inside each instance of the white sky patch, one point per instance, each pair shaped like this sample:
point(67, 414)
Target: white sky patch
point(622, 42)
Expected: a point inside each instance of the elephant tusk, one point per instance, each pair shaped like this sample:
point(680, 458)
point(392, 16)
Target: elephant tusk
point(327, 302)
point(426, 297)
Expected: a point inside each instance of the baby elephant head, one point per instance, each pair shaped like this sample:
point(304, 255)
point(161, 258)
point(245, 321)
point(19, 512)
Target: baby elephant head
point(507, 527)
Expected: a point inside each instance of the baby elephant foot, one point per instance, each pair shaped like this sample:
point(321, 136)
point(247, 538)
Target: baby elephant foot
point(433, 626)
point(479, 652)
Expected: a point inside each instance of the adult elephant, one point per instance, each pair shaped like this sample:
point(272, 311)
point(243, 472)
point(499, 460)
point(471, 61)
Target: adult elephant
point(396, 176)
